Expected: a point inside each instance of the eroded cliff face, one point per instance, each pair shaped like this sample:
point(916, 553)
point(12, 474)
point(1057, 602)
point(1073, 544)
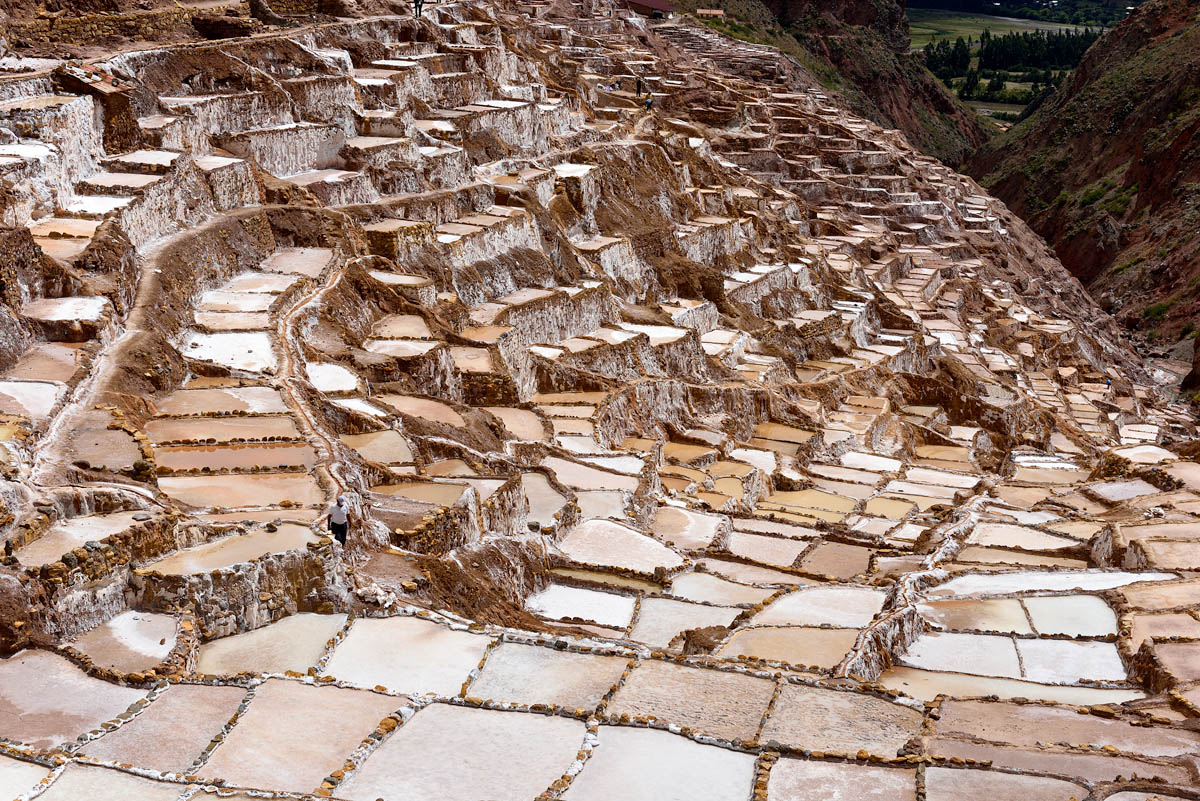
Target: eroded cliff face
point(1108, 170)
point(866, 44)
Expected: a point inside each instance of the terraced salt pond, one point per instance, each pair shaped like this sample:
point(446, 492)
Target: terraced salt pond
point(295, 642)
point(233, 549)
point(73, 533)
point(234, 491)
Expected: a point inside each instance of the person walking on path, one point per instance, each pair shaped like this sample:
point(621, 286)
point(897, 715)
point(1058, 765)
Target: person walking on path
point(639, 87)
point(649, 103)
point(417, 6)
point(339, 519)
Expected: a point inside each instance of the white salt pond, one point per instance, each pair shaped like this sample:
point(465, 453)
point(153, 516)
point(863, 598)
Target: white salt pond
point(298, 261)
point(846, 607)
point(569, 679)
point(251, 351)
point(17, 777)
point(686, 529)
point(660, 620)
point(406, 654)
point(543, 499)
point(32, 399)
point(610, 544)
point(714, 589)
point(330, 377)
point(103, 784)
point(1036, 581)
point(653, 765)
point(71, 533)
point(45, 700)
point(582, 477)
point(233, 549)
point(1073, 615)
point(561, 601)
point(294, 643)
point(513, 756)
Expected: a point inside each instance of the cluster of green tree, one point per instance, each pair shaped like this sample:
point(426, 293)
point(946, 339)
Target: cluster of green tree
point(1080, 12)
point(1056, 50)
point(992, 86)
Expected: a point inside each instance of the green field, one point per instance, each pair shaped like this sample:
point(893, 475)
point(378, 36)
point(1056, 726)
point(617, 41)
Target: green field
point(930, 24)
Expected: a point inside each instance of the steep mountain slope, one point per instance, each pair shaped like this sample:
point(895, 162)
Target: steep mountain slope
point(859, 48)
point(1108, 170)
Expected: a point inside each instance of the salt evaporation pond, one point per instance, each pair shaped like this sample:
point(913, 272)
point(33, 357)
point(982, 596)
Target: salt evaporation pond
point(66, 535)
point(572, 680)
point(513, 756)
point(560, 601)
point(233, 491)
point(233, 549)
point(221, 429)
point(295, 642)
point(130, 642)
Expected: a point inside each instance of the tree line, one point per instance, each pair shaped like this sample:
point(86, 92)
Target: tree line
point(1034, 50)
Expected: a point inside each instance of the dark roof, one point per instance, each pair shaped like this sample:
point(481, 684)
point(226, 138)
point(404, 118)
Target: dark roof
point(656, 5)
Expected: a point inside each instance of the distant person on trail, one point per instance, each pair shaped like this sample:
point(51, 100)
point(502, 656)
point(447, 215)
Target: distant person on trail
point(639, 87)
point(649, 103)
point(339, 519)
point(417, 6)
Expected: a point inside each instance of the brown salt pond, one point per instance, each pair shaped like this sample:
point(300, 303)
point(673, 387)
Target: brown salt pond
point(221, 429)
point(237, 455)
point(45, 700)
point(514, 756)
point(566, 678)
point(155, 740)
point(296, 642)
point(130, 642)
point(233, 549)
point(406, 654)
point(844, 722)
point(437, 493)
point(71, 533)
point(294, 734)
point(233, 491)
point(636, 764)
point(48, 361)
point(805, 780)
point(948, 784)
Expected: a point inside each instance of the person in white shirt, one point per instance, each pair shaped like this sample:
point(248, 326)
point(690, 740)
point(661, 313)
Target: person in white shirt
point(339, 519)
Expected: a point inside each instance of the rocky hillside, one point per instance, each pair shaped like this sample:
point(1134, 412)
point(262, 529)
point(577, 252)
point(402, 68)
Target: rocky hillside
point(1108, 170)
point(859, 48)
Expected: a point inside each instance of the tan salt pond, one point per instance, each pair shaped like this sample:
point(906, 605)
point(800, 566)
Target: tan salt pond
point(233, 491)
point(843, 722)
point(295, 642)
point(580, 476)
point(439, 494)
point(1005, 614)
point(47, 361)
point(768, 550)
point(66, 535)
point(234, 549)
point(237, 455)
point(803, 780)
point(521, 423)
point(401, 326)
point(385, 447)
point(406, 654)
point(926, 685)
point(1008, 535)
point(1037, 580)
point(823, 648)
point(686, 529)
point(130, 642)
point(425, 408)
point(609, 544)
point(751, 574)
point(300, 261)
point(514, 756)
point(257, 400)
point(601, 503)
point(221, 429)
